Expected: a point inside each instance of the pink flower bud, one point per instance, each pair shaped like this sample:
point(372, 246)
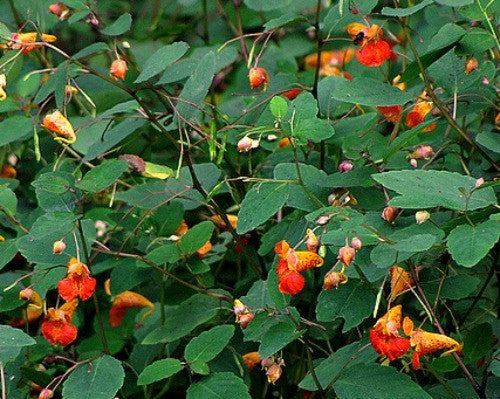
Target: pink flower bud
point(423, 152)
point(356, 243)
point(322, 220)
point(246, 144)
point(413, 162)
point(46, 394)
point(345, 166)
point(389, 213)
point(346, 255)
point(58, 247)
point(334, 279)
point(479, 182)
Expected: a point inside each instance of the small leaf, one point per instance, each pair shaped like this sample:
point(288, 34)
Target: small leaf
point(313, 129)
point(159, 370)
point(8, 200)
point(102, 176)
point(120, 26)
point(196, 237)
point(278, 106)
point(219, 386)
point(157, 171)
point(404, 12)
point(161, 59)
point(277, 337)
point(208, 344)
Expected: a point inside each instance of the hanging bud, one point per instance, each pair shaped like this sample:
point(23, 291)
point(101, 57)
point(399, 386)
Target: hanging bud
point(479, 182)
point(422, 152)
point(422, 216)
point(3, 83)
point(345, 166)
point(251, 359)
point(245, 319)
point(346, 255)
point(273, 373)
point(413, 162)
point(247, 143)
point(257, 77)
point(334, 279)
point(267, 362)
point(356, 243)
point(312, 241)
point(46, 393)
point(8, 172)
point(389, 214)
point(58, 247)
point(239, 307)
point(59, 10)
point(118, 69)
point(322, 220)
point(470, 65)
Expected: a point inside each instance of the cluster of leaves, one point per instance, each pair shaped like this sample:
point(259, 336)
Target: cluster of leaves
point(162, 150)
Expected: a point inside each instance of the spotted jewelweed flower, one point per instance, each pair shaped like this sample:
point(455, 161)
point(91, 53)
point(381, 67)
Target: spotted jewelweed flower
point(427, 342)
point(251, 359)
point(291, 264)
point(273, 368)
point(292, 93)
point(470, 65)
point(57, 327)
point(34, 309)
point(258, 77)
point(221, 224)
point(46, 393)
point(329, 70)
point(118, 69)
point(27, 42)
point(373, 50)
point(393, 113)
point(284, 142)
point(204, 250)
point(329, 58)
point(78, 283)
point(401, 281)
point(420, 110)
point(3, 83)
point(422, 152)
point(334, 279)
point(243, 315)
point(58, 124)
point(246, 144)
point(124, 301)
point(385, 337)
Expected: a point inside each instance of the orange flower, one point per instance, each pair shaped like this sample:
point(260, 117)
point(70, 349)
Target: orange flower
point(26, 41)
point(334, 279)
point(251, 359)
point(401, 281)
point(257, 77)
point(219, 222)
point(205, 249)
point(57, 327)
point(118, 69)
point(57, 123)
point(273, 373)
point(426, 342)
point(385, 337)
point(470, 65)
point(391, 112)
point(373, 49)
point(284, 142)
point(78, 282)
point(8, 172)
point(417, 115)
point(243, 315)
point(182, 229)
point(128, 300)
point(291, 264)
point(329, 70)
point(34, 309)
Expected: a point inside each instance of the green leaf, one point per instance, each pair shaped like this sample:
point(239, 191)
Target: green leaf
point(156, 171)
point(196, 237)
point(161, 59)
point(102, 176)
point(313, 129)
point(11, 342)
point(469, 244)
point(264, 5)
point(420, 189)
point(346, 357)
point(219, 386)
point(119, 27)
point(476, 41)
point(168, 253)
point(404, 12)
point(8, 200)
point(277, 337)
point(159, 370)
point(370, 92)
point(353, 302)
point(489, 140)
point(377, 382)
point(200, 367)
point(91, 49)
point(8, 250)
point(54, 182)
point(454, 3)
point(100, 379)
point(208, 344)
point(278, 106)
point(285, 19)
point(15, 128)
point(259, 204)
point(478, 342)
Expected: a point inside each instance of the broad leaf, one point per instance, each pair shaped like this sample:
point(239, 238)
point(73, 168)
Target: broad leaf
point(119, 27)
point(277, 337)
point(404, 12)
point(161, 59)
point(208, 344)
point(219, 386)
point(159, 370)
point(196, 237)
point(102, 176)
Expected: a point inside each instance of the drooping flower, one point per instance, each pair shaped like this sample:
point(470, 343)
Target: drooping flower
point(251, 359)
point(356, 243)
point(78, 283)
point(420, 110)
point(34, 309)
point(58, 124)
point(334, 279)
point(118, 69)
point(385, 337)
point(27, 42)
point(243, 315)
point(329, 58)
point(427, 342)
point(422, 152)
point(128, 300)
point(257, 77)
point(373, 50)
point(284, 142)
point(273, 368)
point(346, 166)
point(470, 65)
point(246, 144)
point(46, 393)
point(220, 223)
point(346, 255)
point(57, 327)
point(401, 281)
point(292, 93)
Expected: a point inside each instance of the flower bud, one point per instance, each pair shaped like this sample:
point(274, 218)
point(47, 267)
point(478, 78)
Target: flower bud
point(356, 243)
point(389, 213)
point(271, 137)
point(245, 319)
point(334, 279)
point(422, 152)
point(239, 307)
point(26, 294)
point(273, 373)
point(479, 182)
point(485, 81)
point(101, 228)
point(59, 10)
point(422, 216)
point(257, 77)
point(267, 362)
point(346, 255)
point(470, 65)
point(345, 166)
point(126, 44)
point(58, 247)
point(322, 220)
point(46, 394)
point(118, 69)
point(413, 162)
point(246, 144)
point(312, 241)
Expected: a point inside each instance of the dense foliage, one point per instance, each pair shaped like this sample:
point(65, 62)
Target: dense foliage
point(235, 199)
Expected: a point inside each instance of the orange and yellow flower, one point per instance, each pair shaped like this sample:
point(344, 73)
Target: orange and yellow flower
point(78, 283)
point(251, 359)
point(401, 281)
point(417, 115)
point(373, 50)
point(57, 327)
point(385, 337)
point(34, 309)
point(427, 342)
point(221, 224)
point(118, 69)
point(128, 300)
point(27, 42)
point(334, 279)
point(58, 124)
point(257, 77)
point(8, 172)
